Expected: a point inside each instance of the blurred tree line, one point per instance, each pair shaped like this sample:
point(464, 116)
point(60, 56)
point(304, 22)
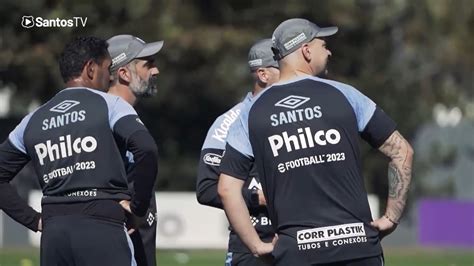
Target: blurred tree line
point(405, 55)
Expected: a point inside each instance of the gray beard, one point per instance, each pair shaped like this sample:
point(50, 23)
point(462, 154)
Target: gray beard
point(138, 85)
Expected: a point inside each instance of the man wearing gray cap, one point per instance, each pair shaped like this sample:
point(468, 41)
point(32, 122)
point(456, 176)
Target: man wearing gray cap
point(303, 135)
point(133, 70)
point(264, 70)
point(133, 75)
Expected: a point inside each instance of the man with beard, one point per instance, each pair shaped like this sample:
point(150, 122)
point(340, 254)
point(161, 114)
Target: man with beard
point(133, 75)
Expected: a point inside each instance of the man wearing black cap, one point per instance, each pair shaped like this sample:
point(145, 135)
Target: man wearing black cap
point(303, 135)
point(72, 141)
point(134, 75)
point(265, 72)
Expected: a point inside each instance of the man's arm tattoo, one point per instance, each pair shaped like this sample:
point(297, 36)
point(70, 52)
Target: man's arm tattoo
point(399, 173)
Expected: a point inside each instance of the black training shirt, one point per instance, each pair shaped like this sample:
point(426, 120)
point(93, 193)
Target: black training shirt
point(75, 141)
point(303, 136)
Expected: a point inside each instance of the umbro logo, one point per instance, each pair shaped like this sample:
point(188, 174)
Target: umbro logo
point(64, 106)
point(292, 101)
point(254, 184)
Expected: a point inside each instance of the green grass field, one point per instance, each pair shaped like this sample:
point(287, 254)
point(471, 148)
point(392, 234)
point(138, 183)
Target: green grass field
point(393, 257)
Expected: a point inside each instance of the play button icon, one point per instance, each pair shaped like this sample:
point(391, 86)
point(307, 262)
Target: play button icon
point(27, 21)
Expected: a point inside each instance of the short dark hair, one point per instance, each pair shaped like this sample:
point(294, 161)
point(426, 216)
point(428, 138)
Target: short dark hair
point(78, 52)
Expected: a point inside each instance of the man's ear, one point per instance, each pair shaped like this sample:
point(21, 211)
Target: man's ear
point(90, 68)
point(124, 74)
point(306, 52)
point(262, 75)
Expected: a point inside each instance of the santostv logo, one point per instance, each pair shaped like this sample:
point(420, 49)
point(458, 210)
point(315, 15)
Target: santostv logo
point(39, 22)
point(27, 21)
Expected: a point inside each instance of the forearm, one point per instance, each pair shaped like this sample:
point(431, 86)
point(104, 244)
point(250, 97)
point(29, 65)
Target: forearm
point(144, 171)
point(15, 207)
point(399, 174)
point(12, 161)
point(230, 191)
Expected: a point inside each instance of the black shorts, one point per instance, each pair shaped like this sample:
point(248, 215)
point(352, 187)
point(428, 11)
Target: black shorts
point(86, 241)
point(247, 259)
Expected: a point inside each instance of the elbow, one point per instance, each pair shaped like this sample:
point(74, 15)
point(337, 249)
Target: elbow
point(206, 201)
point(208, 195)
point(209, 200)
point(200, 192)
point(201, 198)
point(223, 191)
point(149, 156)
point(151, 151)
point(229, 188)
point(143, 143)
point(148, 146)
point(203, 191)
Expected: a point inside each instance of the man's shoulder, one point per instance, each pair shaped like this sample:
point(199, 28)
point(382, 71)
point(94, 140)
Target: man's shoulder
point(109, 98)
point(344, 87)
point(230, 115)
point(113, 101)
point(82, 93)
point(217, 134)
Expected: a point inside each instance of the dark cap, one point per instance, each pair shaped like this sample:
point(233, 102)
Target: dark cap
point(261, 55)
point(292, 33)
point(124, 48)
